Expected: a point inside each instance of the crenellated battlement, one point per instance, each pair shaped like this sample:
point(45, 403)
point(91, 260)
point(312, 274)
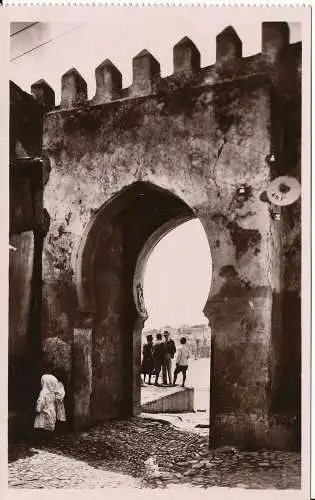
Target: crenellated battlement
point(229, 65)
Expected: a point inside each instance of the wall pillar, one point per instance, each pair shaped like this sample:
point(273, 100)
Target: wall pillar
point(82, 371)
point(241, 310)
point(136, 348)
point(240, 376)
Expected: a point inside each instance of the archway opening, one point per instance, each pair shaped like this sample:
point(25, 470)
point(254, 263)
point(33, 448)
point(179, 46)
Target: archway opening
point(176, 284)
point(110, 267)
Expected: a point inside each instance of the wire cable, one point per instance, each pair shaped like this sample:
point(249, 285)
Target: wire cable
point(23, 29)
point(45, 43)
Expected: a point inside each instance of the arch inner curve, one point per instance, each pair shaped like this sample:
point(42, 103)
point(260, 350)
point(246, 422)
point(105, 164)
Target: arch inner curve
point(109, 278)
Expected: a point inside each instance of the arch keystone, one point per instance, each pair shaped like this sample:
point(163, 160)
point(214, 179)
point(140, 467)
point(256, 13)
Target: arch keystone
point(146, 73)
point(73, 89)
point(186, 56)
point(228, 45)
point(108, 82)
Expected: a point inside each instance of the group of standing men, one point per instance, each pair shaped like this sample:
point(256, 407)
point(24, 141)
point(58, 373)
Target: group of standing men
point(159, 355)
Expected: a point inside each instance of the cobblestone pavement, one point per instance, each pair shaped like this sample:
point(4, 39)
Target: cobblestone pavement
point(143, 453)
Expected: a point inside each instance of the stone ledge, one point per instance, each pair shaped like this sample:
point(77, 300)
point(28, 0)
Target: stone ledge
point(179, 400)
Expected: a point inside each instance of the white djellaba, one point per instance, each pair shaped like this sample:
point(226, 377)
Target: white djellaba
point(49, 406)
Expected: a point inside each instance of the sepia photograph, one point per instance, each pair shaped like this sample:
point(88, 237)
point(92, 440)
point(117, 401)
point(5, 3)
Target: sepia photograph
point(155, 248)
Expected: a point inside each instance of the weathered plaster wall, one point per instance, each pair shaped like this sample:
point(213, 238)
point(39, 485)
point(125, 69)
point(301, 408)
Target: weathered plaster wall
point(109, 335)
point(174, 147)
point(201, 135)
point(158, 149)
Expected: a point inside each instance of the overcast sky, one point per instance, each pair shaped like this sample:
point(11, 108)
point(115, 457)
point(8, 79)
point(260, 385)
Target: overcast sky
point(120, 37)
point(178, 273)
point(178, 277)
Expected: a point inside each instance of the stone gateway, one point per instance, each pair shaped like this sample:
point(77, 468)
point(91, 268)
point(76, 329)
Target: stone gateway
point(121, 170)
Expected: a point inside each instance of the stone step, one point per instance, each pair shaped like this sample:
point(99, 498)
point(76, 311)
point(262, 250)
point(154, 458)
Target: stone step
point(166, 399)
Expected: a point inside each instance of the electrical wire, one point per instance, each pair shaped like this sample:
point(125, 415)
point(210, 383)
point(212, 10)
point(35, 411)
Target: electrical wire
point(48, 41)
point(23, 29)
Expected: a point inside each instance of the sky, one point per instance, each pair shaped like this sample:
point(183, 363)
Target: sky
point(178, 275)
